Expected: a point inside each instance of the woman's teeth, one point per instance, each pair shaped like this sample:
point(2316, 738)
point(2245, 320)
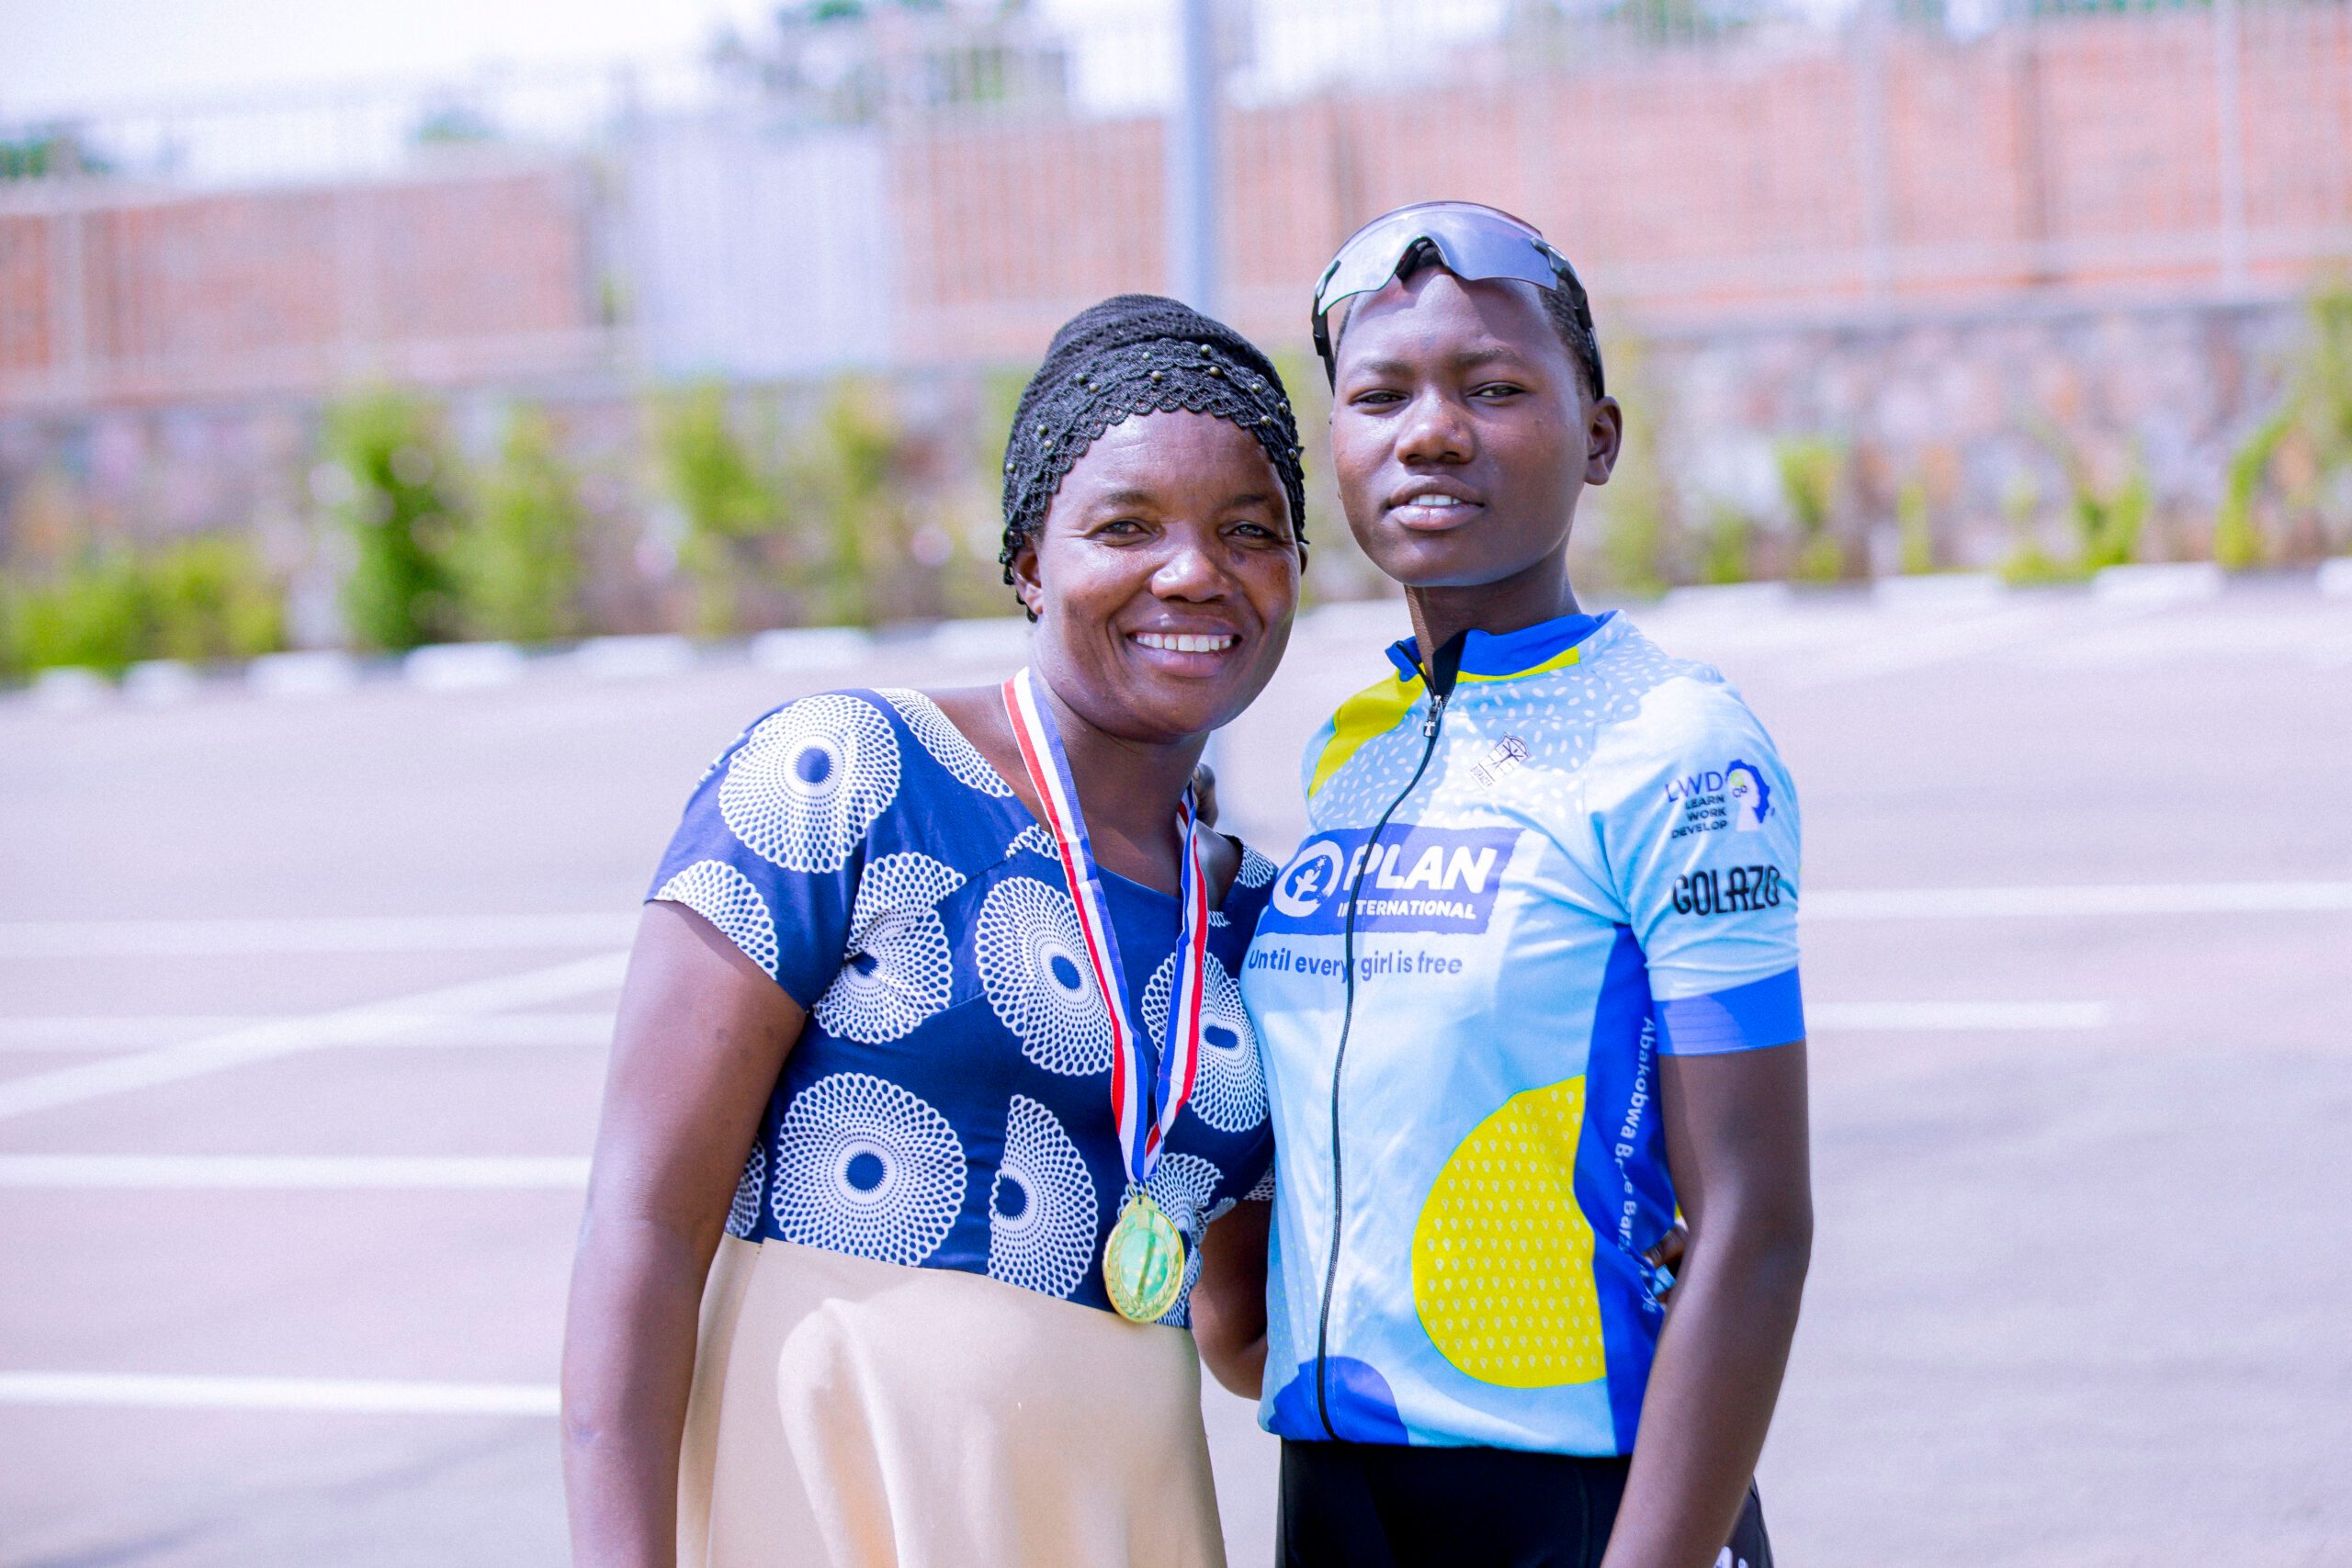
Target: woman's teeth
point(1435, 501)
point(1186, 642)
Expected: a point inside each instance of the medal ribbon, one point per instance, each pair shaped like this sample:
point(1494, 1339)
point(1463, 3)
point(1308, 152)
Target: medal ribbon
point(1145, 1097)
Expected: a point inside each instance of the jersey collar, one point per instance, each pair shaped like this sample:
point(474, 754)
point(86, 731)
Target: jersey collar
point(1531, 651)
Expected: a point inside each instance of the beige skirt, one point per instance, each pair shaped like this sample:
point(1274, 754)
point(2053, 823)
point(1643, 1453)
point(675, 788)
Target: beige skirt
point(854, 1414)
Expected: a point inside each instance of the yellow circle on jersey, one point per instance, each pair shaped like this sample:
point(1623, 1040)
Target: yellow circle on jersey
point(1502, 1256)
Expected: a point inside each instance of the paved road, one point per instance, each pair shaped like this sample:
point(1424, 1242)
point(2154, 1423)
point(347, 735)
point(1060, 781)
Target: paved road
point(302, 1007)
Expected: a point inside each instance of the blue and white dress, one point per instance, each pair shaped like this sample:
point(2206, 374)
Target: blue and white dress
point(946, 1109)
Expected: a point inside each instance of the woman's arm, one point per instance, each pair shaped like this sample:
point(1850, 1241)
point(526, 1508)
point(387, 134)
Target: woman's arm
point(1735, 1132)
point(702, 1036)
point(1229, 1298)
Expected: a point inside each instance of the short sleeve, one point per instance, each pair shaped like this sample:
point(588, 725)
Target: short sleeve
point(773, 839)
point(1701, 843)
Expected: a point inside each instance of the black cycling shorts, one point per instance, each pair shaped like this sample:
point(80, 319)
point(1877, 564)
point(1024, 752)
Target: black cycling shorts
point(1387, 1505)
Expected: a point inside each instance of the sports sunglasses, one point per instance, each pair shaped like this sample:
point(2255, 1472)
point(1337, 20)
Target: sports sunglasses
point(1473, 242)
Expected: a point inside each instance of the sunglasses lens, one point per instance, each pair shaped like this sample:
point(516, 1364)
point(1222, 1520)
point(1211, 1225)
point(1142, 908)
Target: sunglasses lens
point(1474, 243)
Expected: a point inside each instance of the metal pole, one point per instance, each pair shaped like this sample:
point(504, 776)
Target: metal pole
point(69, 319)
point(2230, 125)
point(1873, 26)
point(1191, 163)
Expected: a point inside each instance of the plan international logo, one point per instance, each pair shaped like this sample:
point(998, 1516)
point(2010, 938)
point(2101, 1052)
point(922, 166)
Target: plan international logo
point(1420, 879)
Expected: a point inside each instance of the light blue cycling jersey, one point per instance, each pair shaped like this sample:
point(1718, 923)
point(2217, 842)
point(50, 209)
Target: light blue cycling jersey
point(1586, 855)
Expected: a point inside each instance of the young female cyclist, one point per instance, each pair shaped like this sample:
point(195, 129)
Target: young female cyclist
point(991, 1068)
point(1528, 987)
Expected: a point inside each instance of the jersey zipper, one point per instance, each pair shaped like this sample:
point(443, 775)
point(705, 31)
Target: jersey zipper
point(1448, 660)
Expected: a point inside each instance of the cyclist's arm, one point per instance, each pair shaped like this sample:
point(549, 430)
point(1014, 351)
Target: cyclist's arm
point(1735, 1127)
point(1699, 821)
point(1229, 1298)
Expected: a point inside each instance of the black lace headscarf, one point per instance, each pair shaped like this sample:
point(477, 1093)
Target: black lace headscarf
point(1138, 353)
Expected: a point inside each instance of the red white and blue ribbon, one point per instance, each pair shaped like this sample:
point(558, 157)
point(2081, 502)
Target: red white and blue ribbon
point(1147, 1094)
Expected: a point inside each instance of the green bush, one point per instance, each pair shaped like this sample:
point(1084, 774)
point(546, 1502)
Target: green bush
point(398, 512)
point(2108, 523)
point(1640, 537)
point(1813, 468)
point(2310, 432)
point(515, 560)
point(849, 467)
point(198, 600)
point(1728, 547)
point(2029, 564)
point(1914, 528)
point(212, 598)
point(2237, 536)
point(728, 498)
point(94, 615)
point(2108, 520)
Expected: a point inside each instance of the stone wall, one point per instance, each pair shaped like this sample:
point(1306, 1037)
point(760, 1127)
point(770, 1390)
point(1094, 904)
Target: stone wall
point(1980, 412)
point(1983, 412)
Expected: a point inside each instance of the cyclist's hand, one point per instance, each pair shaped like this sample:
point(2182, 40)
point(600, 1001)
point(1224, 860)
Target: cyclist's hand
point(1204, 794)
point(1668, 1255)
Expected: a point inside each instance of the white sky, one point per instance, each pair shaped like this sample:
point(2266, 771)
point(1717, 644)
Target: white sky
point(60, 56)
point(66, 54)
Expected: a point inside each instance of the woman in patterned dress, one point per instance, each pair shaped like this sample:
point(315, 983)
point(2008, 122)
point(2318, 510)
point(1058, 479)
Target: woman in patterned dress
point(839, 1296)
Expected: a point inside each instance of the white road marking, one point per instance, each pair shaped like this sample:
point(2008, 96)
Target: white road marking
point(510, 934)
point(369, 1023)
point(314, 1172)
point(363, 933)
point(1956, 1017)
point(2120, 898)
point(135, 1033)
point(1902, 644)
point(353, 1396)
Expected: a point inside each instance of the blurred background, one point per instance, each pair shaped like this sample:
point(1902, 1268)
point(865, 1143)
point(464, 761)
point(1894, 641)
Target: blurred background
point(726, 339)
point(429, 430)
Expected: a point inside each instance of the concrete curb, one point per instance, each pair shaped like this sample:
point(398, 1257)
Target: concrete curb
point(478, 666)
point(1941, 591)
point(2172, 582)
point(159, 683)
point(463, 666)
point(634, 657)
point(314, 674)
point(796, 649)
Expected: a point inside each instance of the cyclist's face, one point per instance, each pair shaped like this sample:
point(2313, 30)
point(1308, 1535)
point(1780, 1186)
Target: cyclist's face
point(1460, 432)
point(1164, 577)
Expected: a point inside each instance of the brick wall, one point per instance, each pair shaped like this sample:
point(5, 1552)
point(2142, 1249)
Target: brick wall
point(2079, 153)
point(111, 295)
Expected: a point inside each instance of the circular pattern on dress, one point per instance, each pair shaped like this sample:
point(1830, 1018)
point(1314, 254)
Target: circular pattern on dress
point(1042, 1216)
point(1256, 869)
point(725, 898)
point(743, 1214)
point(1037, 842)
point(947, 744)
point(810, 780)
point(863, 1167)
point(1032, 958)
point(1229, 1090)
point(899, 970)
point(1264, 1192)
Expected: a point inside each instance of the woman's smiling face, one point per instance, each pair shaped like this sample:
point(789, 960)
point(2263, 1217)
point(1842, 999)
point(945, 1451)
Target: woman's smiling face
point(1164, 577)
point(1461, 435)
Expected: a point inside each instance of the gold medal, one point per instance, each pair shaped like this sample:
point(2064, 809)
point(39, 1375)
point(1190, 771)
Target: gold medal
point(1143, 1263)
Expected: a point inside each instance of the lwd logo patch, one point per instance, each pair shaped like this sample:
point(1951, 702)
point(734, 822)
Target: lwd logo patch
point(1734, 796)
point(1420, 879)
point(1751, 797)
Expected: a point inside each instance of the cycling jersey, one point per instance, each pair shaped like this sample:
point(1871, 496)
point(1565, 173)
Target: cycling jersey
point(1513, 896)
